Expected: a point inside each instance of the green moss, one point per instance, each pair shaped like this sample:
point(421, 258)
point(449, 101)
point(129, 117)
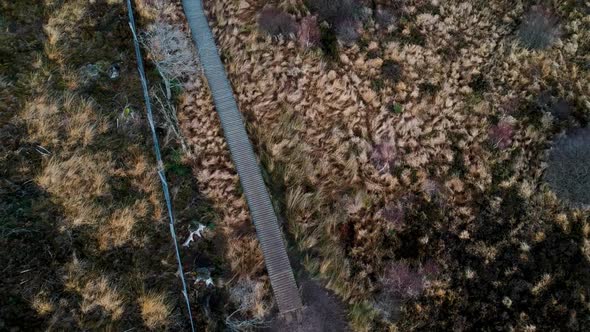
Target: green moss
point(396, 108)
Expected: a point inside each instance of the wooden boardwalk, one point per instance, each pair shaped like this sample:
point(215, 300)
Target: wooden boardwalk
point(265, 220)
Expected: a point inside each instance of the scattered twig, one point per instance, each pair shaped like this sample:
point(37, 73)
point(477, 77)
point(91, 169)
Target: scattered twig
point(192, 234)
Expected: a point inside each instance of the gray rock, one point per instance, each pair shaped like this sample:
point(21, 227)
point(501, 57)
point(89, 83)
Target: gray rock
point(114, 71)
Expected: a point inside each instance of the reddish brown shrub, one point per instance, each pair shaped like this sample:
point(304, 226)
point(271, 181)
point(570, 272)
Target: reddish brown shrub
point(430, 268)
point(510, 106)
point(400, 280)
point(309, 34)
point(383, 157)
point(394, 214)
point(501, 134)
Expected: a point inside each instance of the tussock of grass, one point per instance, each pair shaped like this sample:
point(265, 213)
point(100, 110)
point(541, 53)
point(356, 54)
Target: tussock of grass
point(98, 296)
point(155, 310)
point(313, 222)
point(67, 122)
point(75, 182)
point(42, 304)
point(101, 295)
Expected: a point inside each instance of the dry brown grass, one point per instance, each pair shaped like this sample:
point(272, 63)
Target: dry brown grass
point(83, 242)
point(467, 203)
point(316, 127)
point(75, 183)
point(100, 301)
point(156, 9)
point(118, 230)
point(155, 310)
point(100, 294)
point(68, 121)
point(42, 304)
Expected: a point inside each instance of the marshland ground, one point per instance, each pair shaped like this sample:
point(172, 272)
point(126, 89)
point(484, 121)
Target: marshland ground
point(429, 161)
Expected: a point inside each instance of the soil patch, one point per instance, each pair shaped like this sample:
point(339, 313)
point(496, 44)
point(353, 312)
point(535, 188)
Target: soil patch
point(322, 311)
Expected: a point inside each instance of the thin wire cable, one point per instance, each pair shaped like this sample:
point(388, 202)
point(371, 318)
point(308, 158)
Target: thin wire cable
point(161, 173)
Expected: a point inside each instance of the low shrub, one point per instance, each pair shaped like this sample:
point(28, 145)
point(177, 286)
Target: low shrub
point(402, 281)
point(501, 134)
point(329, 43)
point(539, 29)
point(383, 157)
point(347, 31)
point(276, 22)
point(561, 109)
point(568, 170)
point(550, 101)
point(394, 214)
point(309, 34)
point(343, 16)
point(384, 17)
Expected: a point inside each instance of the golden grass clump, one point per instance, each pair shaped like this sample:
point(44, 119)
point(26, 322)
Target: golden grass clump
point(99, 296)
point(68, 121)
point(118, 230)
point(62, 30)
point(155, 309)
point(77, 181)
point(42, 304)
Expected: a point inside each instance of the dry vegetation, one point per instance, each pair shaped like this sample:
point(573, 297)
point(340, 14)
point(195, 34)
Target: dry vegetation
point(413, 136)
point(413, 148)
point(84, 237)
